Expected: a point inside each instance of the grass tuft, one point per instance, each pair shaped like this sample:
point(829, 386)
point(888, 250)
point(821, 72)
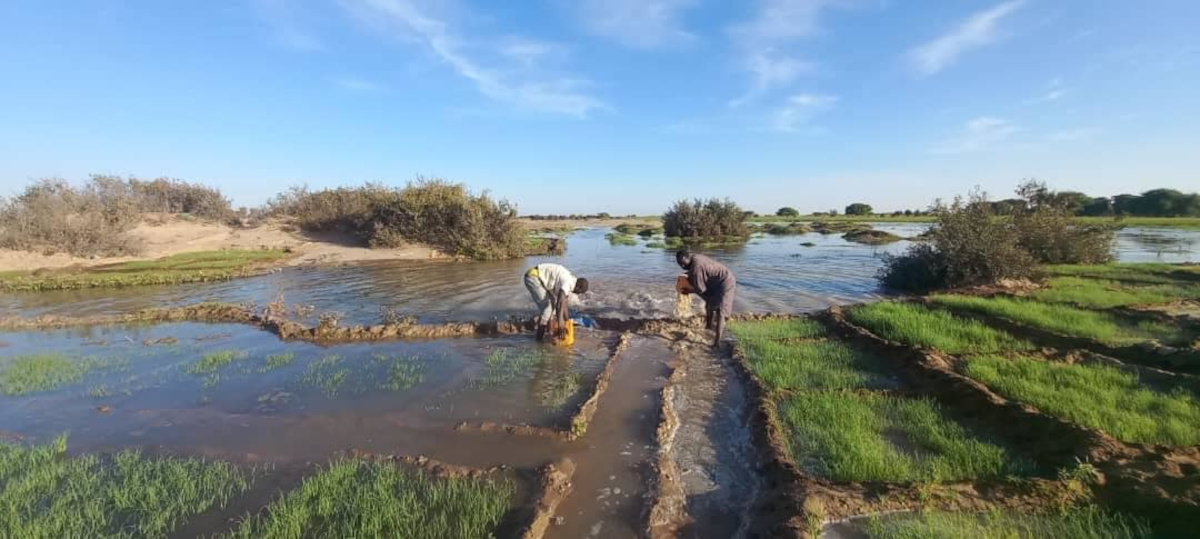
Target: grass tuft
point(1095, 396)
point(354, 498)
point(794, 328)
point(47, 494)
point(504, 365)
point(31, 374)
point(327, 374)
point(810, 365)
point(214, 361)
point(918, 325)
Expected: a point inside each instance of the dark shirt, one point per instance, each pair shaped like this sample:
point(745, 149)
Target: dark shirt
point(713, 282)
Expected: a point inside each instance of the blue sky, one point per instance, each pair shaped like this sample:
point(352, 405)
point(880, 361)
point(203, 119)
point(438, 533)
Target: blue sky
point(608, 105)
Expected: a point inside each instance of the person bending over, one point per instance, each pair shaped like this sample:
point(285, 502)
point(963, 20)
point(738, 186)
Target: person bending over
point(551, 286)
point(715, 284)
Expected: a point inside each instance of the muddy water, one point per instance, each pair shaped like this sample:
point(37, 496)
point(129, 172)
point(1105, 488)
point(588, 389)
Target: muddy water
point(713, 445)
point(276, 401)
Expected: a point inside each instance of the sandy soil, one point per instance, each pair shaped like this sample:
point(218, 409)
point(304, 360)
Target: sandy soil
point(168, 236)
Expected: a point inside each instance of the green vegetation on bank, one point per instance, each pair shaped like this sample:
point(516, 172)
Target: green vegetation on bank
point(1095, 396)
point(1100, 294)
point(849, 437)
point(200, 266)
point(920, 326)
point(1067, 320)
point(48, 494)
point(858, 435)
point(1075, 523)
point(356, 498)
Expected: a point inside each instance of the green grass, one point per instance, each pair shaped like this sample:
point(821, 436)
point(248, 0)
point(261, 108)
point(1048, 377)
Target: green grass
point(1075, 523)
point(212, 362)
point(1095, 396)
point(811, 365)
point(47, 494)
point(656, 245)
point(1099, 294)
point(327, 374)
point(849, 437)
point(202, 266)
point(402, 372)
point(792, 328)
point(1068, 320)
point(505, 365)
point(278, 361)
point(31, 374)
point(619, 239)
point(1137, 273)
point(354, 498)
point(553, 390)
point(920, 326)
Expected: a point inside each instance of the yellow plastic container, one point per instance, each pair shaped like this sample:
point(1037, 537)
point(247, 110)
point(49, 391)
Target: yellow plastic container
point(566, 337)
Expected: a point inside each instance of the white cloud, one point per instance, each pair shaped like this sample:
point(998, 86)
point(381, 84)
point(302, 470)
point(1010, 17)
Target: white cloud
point(760, 41)
point(643, 24)
point(977, 31)
point(799, 110)
point(355, 84)
point(496, 80)
point(285, 21)
point(979, 134)
point(1054, 91)
point(1074, 135)
point(528, 52)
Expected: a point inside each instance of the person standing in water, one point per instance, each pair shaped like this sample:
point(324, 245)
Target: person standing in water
point(551, 286)
point(715, 284)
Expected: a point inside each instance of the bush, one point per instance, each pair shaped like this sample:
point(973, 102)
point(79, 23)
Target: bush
point(441, 214)
point(787, 212)
point(52, 216)
point(168, 195)
point(699, 219)
point(968, 245)
point(858, 208)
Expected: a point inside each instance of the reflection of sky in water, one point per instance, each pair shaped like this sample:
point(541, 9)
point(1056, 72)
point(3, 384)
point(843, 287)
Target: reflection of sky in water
point(775, 274)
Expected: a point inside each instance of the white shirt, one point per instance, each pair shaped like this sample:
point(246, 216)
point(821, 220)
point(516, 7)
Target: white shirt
point(555, 277)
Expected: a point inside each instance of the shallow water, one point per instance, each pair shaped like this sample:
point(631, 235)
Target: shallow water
point(775, 274)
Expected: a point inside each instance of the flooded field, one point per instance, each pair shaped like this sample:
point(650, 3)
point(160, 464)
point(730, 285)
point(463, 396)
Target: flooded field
point(622, 435)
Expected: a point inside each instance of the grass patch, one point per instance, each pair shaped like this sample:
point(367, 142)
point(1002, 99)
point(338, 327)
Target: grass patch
point(619, 239)
point(278, 361)
point(327, 374)
point(354, 498)
point(1095, 396)
point(505, 365)
point(47, 494)
point(810, 365)
point(202, 266)
point(214, 361)
point(1067, 320)
point(1101, 294)
point(792, 328)
point(1137, 273)
point(1075, 523)
point(402, 372)
point(656, 245)
point(848, 437)
point(918, 325)
point(31, 374)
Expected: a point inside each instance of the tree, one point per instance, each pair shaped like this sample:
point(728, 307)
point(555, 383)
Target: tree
point(787, 211)
point(858, 208)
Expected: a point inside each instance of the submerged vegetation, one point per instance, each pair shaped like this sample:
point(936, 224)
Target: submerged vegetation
point(357, 498)
point(48, 494)
point(505, 365)
point(200, 266)
point(1095, 396)
point(22, 375)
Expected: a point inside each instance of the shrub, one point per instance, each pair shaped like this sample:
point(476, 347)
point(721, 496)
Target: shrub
point(441, 214)
point(858, 208)
point(787, 212)
point(1046, 230)
point(168, 195)
point(968, 245)
point(699, 219)
point(53, 216)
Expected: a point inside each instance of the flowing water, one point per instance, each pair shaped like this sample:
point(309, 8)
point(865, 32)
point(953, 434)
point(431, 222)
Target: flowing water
point(238, 393)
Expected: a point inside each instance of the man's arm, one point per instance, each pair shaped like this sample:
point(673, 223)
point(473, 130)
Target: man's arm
point(561, 309)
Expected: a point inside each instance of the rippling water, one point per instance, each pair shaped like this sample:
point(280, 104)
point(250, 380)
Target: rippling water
point(775, 274)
